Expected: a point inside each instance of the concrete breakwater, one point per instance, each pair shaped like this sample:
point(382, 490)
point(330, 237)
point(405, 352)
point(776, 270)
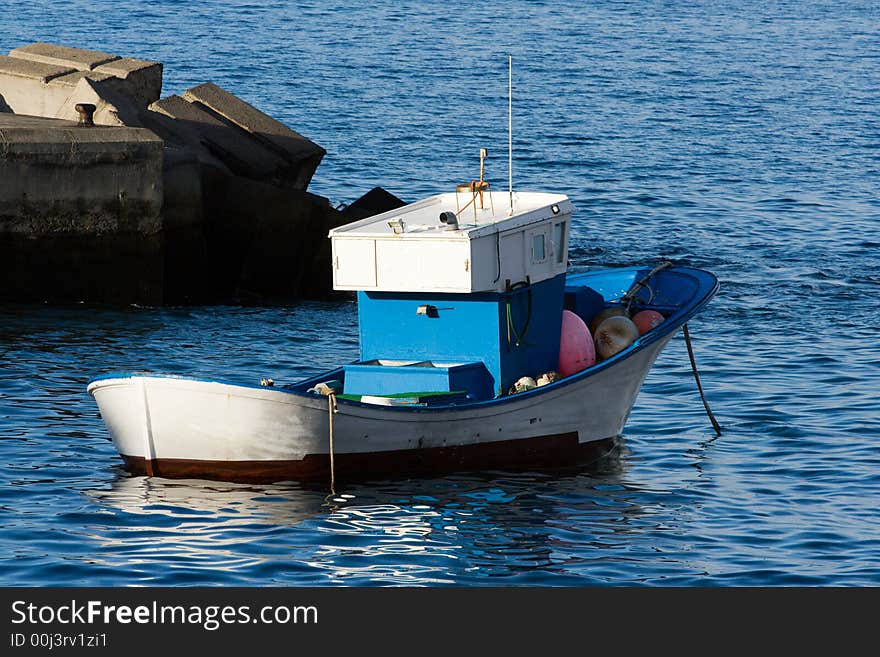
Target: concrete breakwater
point(110, 193)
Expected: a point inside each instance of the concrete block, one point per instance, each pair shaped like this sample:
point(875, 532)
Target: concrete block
point(72, 79)
point(242, 154)
point(246, 116)
point(49, 53)
point(38, 89)
point(60, 177)
point(376, 201)
point(187, 268)
point(24, 87)
point(83, 200)
point(45, 87)
point(67, 268)
point(143, 78)
point(22, 68)
point(177, 108)
point(302, 154)
point(177, 135)
point(113, 107)
point(272, 252)
point(183, 187)
point(180, 200)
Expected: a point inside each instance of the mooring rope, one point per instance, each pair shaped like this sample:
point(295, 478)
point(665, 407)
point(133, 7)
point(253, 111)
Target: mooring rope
point(331, 408)
point(629, 298)
point(687, 341)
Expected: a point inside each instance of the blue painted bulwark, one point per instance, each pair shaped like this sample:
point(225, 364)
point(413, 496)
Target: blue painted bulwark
point(513, 334)
point(583, 301)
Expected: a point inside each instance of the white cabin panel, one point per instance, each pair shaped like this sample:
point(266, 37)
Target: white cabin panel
point(485, 263)
point(512, 258)
point(423, 265)
point(354, 264)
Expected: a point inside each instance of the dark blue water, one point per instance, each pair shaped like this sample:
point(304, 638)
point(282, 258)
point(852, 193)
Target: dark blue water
point(743, 138)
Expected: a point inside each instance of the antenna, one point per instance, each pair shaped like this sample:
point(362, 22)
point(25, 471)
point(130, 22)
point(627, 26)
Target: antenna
point(510, 128)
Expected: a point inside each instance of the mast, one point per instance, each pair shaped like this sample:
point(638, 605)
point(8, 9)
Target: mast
point(510, 129)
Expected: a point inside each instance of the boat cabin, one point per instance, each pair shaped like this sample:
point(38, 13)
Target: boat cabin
point(458, 294)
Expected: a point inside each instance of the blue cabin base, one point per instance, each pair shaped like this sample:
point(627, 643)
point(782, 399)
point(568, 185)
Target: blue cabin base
point(512, 334)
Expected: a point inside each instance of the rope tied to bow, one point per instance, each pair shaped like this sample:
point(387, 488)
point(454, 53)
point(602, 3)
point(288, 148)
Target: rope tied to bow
point(331, 411)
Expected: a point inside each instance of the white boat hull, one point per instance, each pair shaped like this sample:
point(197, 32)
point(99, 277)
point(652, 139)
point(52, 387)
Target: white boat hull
point(180, 427)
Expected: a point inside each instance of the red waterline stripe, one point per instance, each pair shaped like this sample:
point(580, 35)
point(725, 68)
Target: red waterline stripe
point(538, 451)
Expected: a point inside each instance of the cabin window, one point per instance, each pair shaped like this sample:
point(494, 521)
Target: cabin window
point(559, 240)
point(538, 248)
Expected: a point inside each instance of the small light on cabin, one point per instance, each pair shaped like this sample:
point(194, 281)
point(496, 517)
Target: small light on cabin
point(555, 209)
point(397, 225)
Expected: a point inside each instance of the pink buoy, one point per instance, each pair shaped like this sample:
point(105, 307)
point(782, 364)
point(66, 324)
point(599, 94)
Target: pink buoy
point(576, 348)
point(645, 320)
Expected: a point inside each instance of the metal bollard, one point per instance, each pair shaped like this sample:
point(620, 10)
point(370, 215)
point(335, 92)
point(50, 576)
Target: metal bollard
point(86, 113)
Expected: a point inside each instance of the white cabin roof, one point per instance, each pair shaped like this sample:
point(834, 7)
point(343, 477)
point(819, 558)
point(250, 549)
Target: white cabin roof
point(411, 250)
point(421, 220)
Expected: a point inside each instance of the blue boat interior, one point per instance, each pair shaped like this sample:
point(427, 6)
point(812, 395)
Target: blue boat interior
point(449, 349)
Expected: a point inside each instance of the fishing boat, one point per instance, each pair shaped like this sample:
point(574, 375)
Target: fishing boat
point(465, 306)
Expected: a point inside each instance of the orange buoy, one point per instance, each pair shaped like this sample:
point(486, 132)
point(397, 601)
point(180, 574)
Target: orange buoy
point(645, 320)
point(576, 348)
point(614, 335)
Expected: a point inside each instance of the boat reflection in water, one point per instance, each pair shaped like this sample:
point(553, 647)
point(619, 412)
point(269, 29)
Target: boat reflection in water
point(196, 531)
point(190, 499)
point(458, 529)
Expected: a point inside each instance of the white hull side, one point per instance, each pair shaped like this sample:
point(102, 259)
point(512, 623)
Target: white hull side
point(155, 417)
